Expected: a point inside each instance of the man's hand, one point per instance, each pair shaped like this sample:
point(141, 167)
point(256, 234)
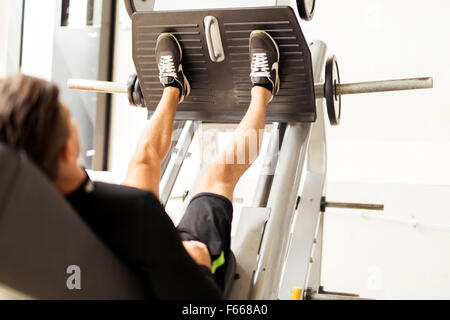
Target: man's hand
point(199, 252)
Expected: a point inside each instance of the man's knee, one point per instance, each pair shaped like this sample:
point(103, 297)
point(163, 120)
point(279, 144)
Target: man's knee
point(145, 156)
point(225, 174)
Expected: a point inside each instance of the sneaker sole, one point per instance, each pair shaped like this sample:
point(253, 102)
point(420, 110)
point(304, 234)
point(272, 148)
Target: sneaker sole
point(188, 87)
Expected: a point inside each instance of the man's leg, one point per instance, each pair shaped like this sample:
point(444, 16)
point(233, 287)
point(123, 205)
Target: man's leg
point(209, 215)
point(224, 173)
point(144, 171)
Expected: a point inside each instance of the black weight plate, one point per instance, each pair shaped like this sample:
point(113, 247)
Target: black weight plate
point(137, 95)
point(332, 79)
point(133, 6)
point(130, 84)
point(129, 5)
point(306, 9)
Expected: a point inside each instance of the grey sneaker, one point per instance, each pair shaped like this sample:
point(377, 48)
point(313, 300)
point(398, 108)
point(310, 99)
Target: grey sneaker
point(265, 57)
point(169, 54)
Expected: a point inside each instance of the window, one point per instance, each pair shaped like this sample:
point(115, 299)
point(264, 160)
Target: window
point(80, 13)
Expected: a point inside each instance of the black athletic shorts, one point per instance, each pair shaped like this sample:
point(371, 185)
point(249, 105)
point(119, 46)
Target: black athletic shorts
point(208, 219)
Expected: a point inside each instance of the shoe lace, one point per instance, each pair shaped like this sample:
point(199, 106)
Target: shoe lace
point(260, 65)
point(167, 67)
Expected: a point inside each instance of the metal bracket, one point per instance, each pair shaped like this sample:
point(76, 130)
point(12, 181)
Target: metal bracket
point(303, 260)
point(139, 5)
point(245, 244)
point(213, 39)
point(176, 160)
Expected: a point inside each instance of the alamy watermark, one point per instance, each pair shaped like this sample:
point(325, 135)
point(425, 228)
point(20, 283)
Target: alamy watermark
point(243, 147)
point(74, 280)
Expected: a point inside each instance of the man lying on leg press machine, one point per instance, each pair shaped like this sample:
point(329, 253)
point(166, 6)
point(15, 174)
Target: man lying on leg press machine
point(186, 262)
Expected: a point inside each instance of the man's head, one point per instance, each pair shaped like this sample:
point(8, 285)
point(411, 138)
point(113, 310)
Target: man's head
point(32, 119)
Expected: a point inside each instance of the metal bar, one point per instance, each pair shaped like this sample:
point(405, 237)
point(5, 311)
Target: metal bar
point(247, 239)
point(98, 86)
point(208, 149)
point(105, 15)
point(176, 161)
point(314, 278)
point(177, 130)
point(385, 85)
point(302, 264)
point(341, 89)
point(363, 206)
point(282, 201)
point(377, 86)
point(245, 245)
point(323, 296)
point(265, 180)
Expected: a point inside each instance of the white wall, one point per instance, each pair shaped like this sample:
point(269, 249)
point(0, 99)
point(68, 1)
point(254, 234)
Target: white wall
point(126, 123)
point(4, 9)
point(392, 148)
point(401, 253)
point(401, 136)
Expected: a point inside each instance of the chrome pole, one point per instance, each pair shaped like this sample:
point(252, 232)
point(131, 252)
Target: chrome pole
point(341, 89)
point(377, 86)
point(97, 86)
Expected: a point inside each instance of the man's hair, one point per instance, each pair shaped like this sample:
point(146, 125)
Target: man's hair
point(32, 120)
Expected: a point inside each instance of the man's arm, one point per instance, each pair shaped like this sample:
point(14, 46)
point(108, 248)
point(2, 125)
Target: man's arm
point(172, 272)
point(199, 253)
point(140, 232)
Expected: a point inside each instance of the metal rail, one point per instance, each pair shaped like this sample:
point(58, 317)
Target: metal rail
point(376, 86)
point(302, 265)
point(385, 86)
point(341, 89)
point(362, 206)
point(331, 297)
point(176, 160)
point(97, 86)
point(268, 280)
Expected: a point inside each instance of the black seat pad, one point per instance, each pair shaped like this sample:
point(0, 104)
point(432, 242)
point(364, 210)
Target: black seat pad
point(41, 235)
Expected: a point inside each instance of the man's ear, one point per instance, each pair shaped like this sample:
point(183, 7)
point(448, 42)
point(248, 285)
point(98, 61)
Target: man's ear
point(65, 154)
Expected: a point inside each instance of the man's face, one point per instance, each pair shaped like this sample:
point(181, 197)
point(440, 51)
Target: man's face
point(73, 144)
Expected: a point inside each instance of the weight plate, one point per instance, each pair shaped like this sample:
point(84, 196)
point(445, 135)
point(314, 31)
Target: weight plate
point(137, 95)
point(130, 84)
point(129, 5)
point(306, 9)
point(134, 6)
point(333, 99)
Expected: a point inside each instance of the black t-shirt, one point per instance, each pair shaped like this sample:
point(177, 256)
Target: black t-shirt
point(134, 224)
